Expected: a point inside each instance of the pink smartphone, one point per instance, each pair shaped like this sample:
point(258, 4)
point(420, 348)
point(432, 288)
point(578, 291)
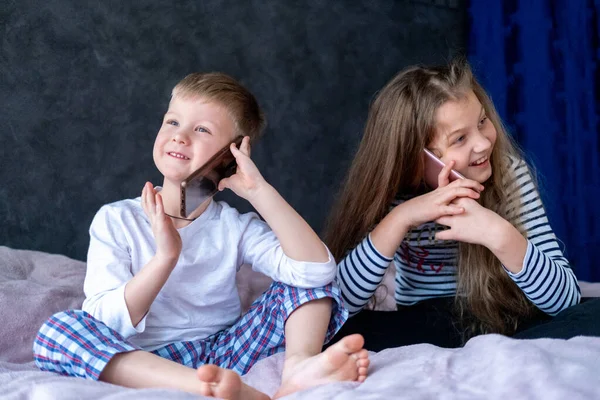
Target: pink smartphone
point(204, 182)
point(433, 167)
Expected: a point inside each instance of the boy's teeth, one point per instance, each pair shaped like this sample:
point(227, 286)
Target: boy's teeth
point(178, 156)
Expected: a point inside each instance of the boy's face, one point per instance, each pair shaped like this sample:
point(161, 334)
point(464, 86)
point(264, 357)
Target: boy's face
point(465, 134)
point(193, 130)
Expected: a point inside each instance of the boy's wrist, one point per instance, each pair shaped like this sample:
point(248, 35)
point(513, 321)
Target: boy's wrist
point(165, 260)
point(259, 192)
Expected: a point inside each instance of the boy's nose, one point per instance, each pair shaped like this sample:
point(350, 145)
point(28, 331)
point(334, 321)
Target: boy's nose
point(180, 138)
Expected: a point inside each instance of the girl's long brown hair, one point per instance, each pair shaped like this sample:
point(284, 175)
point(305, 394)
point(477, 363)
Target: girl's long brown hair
point(388, 163)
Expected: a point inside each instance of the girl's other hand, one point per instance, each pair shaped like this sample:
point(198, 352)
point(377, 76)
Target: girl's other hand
point(168, 240)
point(476, 225)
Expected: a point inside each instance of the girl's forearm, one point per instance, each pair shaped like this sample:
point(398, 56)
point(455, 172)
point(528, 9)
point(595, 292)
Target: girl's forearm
point(298, 240)
point(508, 244)
point(389, 233)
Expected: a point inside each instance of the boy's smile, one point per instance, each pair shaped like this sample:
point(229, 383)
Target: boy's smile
point(178, 155)
point(193, 130)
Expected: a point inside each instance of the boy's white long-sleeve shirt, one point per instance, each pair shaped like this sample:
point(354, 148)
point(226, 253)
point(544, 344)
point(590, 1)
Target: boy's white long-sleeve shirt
point(200, 297)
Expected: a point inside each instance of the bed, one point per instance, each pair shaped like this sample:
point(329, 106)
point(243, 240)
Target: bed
point(33, 285)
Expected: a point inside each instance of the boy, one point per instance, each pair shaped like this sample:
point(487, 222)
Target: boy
point(161, 299)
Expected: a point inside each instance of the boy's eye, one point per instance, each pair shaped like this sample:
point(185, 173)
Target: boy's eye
point(172, 122)
point(202, 130)
point(460, 139)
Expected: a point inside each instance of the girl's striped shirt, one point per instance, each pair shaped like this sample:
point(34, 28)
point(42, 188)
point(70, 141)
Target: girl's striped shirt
point(426, 267)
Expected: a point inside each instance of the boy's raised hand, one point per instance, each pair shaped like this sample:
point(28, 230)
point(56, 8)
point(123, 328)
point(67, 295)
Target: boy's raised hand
point(168, 240)
point(247, 179)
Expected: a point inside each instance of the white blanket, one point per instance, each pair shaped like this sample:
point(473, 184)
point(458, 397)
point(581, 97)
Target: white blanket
point(488, 367)
point(34, 285)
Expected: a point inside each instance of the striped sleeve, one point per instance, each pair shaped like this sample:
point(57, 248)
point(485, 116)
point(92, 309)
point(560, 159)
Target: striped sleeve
point(360, 273)
point(546, 277)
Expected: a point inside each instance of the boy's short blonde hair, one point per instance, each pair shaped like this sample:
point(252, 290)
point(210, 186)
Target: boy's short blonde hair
point(221, 88)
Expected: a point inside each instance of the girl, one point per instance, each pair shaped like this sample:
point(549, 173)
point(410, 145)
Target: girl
point(473, 256)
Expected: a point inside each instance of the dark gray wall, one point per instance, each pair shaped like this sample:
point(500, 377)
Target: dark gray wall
point(84, 85)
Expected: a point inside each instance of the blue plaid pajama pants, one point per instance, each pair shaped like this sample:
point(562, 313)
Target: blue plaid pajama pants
point(74, 343)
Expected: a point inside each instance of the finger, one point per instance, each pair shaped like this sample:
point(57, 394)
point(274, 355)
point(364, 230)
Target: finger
point(452, 210)
point(151, 199)
point(145, 191)
point(160, 208)
point(465, 192)
point(234, 149)
point(444, 175)
point(444, 220)
point(223, 184)
point(143, 197)
point(237, 153)
point(245, 146)
point(470, 183)
point(457, 192)
point(448, 234)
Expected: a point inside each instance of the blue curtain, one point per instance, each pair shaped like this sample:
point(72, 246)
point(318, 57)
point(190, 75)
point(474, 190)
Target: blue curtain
point(539, 60)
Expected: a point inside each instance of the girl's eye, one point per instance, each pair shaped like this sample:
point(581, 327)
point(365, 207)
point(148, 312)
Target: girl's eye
point(202, 130)
point(460, 139)
point(172, 122)
point(483, 120)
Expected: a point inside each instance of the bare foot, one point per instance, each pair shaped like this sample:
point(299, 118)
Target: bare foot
point(226, 384)
point(344, 361)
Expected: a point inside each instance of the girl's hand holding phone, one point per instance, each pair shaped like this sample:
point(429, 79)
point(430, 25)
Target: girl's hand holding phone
point(168, 240)
point(247, 179)
point(439, 202)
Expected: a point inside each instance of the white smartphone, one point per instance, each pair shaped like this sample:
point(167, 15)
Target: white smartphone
point(433, 167)
point(204, 182)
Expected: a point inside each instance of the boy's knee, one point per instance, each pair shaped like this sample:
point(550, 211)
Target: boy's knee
point(56, 323)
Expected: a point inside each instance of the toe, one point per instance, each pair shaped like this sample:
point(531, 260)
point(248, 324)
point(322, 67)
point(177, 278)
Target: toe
point(363, 363)
point(362, 354)
point(228, 386)
point(209, 373)
point(350, 344)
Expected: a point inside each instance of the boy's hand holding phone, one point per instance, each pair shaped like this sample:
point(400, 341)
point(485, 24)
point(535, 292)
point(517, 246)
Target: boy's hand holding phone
point(247, 180)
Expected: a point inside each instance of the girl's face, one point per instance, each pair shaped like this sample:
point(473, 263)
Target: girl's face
point(464, 134)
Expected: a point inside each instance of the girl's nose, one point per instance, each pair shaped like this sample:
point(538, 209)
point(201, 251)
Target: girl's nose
point(483, 143)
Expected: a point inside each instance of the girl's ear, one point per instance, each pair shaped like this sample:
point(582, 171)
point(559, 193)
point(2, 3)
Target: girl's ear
point(436, 152)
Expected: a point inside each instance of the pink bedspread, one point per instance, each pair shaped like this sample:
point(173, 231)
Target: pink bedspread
point(34, 285)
